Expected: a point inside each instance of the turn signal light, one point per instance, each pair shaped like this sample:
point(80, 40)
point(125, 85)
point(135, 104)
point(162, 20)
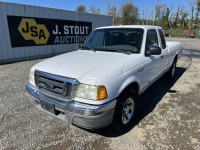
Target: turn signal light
point(101, 93)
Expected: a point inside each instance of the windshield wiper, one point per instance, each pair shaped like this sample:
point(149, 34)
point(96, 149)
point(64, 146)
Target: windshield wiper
point(117, 50)
point(86, 47)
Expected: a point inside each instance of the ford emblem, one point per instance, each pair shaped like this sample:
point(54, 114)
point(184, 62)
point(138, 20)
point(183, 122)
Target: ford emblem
point(49, 86)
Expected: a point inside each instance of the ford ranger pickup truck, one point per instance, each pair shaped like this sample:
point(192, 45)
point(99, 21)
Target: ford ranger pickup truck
point(99, 84)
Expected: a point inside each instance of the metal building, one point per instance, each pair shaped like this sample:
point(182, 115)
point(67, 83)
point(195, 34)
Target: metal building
point(29, 32)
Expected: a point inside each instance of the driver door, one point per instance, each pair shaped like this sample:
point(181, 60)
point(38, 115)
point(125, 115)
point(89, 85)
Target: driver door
point(153, 63)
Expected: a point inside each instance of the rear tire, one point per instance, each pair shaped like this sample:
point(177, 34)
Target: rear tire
point(170, 74)
point(125, 110)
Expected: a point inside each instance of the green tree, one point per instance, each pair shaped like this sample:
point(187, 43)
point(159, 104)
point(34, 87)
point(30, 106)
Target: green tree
point(184, 14)
point(94, 10)
point(198, 5)
point(111, 9)
point(158, 12)
point(129, 14)
point(165, 19)
point(197, 13)
point(81, 8)
point(177, 17)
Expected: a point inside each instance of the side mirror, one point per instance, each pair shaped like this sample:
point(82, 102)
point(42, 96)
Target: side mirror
point(153, 50)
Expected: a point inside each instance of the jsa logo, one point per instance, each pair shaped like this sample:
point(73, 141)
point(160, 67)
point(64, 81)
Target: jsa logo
point(30, 30)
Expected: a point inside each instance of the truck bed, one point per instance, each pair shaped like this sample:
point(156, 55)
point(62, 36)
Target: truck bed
point(173, 45)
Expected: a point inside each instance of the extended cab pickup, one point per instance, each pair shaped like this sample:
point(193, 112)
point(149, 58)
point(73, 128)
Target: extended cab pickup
point(100, 83)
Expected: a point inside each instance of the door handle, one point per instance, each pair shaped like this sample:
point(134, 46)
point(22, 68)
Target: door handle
point(140, 70)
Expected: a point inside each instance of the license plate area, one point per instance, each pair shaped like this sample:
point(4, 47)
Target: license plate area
point(49, 107)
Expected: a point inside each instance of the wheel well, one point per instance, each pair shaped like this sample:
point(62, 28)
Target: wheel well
point(176, 58)
point(134, 86)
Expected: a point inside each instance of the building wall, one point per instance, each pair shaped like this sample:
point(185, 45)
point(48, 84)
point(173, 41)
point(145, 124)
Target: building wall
point(8, 53)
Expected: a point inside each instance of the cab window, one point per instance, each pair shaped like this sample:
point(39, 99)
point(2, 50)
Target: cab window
point(162, 39)
point(152, 38)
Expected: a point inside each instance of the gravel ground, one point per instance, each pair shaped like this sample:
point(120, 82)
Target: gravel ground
point(168, 116)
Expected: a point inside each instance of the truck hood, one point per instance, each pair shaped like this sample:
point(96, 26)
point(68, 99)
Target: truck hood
point(85, 66)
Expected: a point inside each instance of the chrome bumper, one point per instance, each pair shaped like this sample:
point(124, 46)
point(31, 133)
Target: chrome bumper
point(83, 115)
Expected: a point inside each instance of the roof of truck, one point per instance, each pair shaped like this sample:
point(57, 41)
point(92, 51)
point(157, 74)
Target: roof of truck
point(130, 26)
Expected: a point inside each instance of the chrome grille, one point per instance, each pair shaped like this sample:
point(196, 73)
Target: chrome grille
point(53, 86)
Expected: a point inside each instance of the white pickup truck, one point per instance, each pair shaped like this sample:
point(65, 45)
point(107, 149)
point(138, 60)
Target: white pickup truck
point(100, 83)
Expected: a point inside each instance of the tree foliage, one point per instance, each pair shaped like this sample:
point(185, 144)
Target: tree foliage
point(162, 15)
point(81, 8)
point(94, 10)
point(197, 13)
point(165, 19)
point(177, 17)
point(129, 14)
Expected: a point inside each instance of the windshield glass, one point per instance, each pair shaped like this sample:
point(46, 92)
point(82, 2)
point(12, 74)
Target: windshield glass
point(117, 40)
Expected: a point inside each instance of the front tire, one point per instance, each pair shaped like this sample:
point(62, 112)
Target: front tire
point(125, 110)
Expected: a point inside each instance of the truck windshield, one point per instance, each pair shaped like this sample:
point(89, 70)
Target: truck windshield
point(117, 40)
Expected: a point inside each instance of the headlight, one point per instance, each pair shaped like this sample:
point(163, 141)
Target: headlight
point(91, 92)
point(32, 78)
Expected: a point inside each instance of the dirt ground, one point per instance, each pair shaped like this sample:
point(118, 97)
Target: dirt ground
point(168, 116)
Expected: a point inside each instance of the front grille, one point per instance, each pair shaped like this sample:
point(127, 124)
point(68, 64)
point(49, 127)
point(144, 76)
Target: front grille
point(53, 86)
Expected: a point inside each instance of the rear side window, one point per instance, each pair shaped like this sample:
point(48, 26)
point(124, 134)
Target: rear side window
point(162, 39)
point(152, 38)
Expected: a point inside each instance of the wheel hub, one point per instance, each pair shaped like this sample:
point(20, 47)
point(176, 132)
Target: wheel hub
point(128, 110)
point(173, 69)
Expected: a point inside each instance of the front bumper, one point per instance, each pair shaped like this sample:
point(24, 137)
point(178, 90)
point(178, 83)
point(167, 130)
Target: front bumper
point(83, 115)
